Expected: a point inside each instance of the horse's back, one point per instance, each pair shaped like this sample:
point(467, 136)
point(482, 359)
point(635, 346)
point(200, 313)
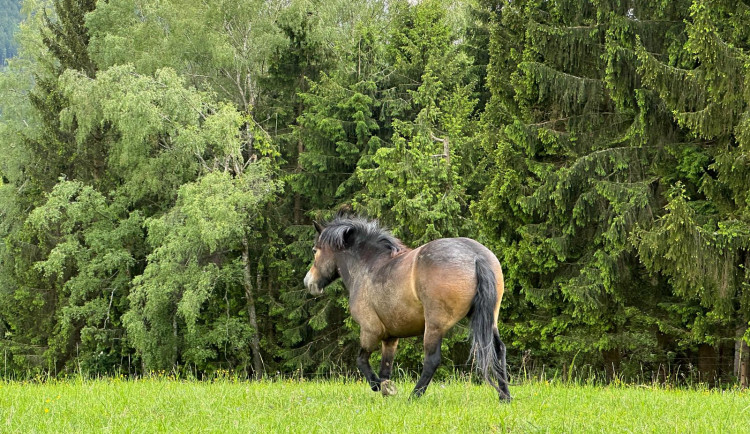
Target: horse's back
point(455, 253)
point(446, 277)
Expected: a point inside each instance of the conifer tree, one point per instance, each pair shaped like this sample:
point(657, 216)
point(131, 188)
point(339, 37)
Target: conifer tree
point(579, 150)
point(9, 18)
point(413, 181)
point(702, 242)
point(339, 127)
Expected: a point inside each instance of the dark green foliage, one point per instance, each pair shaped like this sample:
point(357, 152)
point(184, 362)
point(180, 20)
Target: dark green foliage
point(162, 163)
point(585, 154)
point(416, 180)
point(66, 36)
point(702, 242)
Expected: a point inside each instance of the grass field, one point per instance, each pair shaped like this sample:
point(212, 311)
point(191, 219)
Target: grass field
point(166, 405)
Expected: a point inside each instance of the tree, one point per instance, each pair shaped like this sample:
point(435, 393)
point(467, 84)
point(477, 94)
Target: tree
point(414, 182)
point(702, 242)
point(185, 305)
point(50, 45)
point(9, 18)
point(339, 125)
point(162, 163)
point(356, 121)
point(89, 264)
point(164, 126)
point(581, 155)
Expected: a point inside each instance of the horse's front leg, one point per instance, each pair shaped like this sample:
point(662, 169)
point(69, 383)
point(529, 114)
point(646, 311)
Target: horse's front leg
point(369, 342)
point(386, 366)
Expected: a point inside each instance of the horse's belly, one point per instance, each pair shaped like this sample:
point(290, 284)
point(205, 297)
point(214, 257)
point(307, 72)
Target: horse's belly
point(404, 321)
point(407, 331)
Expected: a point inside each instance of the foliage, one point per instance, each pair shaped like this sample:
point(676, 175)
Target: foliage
point(162, 163)
point(706, 227)
point(9, 19)
point(587, 154)
point(187, 298)
point(414, 181)
point(575, 175)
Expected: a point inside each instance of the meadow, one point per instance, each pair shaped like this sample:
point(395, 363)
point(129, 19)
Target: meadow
point(161, 404)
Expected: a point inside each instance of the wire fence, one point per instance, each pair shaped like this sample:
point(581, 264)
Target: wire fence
point(715, 370)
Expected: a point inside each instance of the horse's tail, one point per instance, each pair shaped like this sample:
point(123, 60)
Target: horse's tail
point(486, 347)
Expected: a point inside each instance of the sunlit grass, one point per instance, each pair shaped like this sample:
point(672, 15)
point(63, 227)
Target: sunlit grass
point(164, 404)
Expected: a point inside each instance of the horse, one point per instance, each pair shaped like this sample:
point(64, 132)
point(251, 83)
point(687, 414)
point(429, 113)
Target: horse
point(397, 292)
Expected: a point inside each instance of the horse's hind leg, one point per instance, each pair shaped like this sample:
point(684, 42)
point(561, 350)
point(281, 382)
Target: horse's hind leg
point(433, 337)
point(386, 366)
point(369, 343)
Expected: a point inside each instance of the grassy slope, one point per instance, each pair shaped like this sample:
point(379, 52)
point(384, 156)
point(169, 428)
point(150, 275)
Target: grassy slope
point(290, 406)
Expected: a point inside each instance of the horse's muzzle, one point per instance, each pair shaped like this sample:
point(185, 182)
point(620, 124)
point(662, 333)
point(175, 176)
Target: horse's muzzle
point(312, 286)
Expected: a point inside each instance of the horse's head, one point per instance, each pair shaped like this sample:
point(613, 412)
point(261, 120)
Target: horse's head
point(323, 270)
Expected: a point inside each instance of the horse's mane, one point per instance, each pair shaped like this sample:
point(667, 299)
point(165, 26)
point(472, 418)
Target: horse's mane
point(343, 232)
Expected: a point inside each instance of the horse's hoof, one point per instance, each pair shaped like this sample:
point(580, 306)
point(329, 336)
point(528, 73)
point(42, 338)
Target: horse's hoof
point(387, 388)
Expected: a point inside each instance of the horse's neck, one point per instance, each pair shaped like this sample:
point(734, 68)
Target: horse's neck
point(358, 270)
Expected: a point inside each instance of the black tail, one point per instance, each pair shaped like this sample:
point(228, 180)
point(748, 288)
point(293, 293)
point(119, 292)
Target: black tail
point(486, 347)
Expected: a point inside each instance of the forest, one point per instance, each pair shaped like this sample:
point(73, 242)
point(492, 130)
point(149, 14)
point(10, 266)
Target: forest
point(9, 18)
point(162, 163)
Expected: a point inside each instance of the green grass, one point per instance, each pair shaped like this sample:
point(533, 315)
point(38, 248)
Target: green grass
point(166, 405)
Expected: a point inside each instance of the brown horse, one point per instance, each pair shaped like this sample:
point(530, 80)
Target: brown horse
point(397, 292)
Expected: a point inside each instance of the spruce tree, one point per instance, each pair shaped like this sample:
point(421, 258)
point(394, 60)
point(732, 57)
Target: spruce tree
point(414, 180)
point(580, 152)
point(9, 18)
point(702, 242)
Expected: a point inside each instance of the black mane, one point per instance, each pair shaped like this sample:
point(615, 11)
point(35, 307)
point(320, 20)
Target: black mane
point(344, 232)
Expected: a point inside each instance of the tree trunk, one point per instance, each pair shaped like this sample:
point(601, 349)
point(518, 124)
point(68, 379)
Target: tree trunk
point(707, 363)
point(741, 356)
point(297, 213)
point(612, 359)
point(175, 341)
point(252, 318)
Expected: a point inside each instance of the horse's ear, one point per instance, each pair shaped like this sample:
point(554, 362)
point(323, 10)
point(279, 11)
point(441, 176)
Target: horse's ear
point(318, 227)
point(348, 237)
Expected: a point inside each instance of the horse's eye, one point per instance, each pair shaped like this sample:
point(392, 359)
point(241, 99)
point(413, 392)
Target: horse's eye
point(315, 251)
